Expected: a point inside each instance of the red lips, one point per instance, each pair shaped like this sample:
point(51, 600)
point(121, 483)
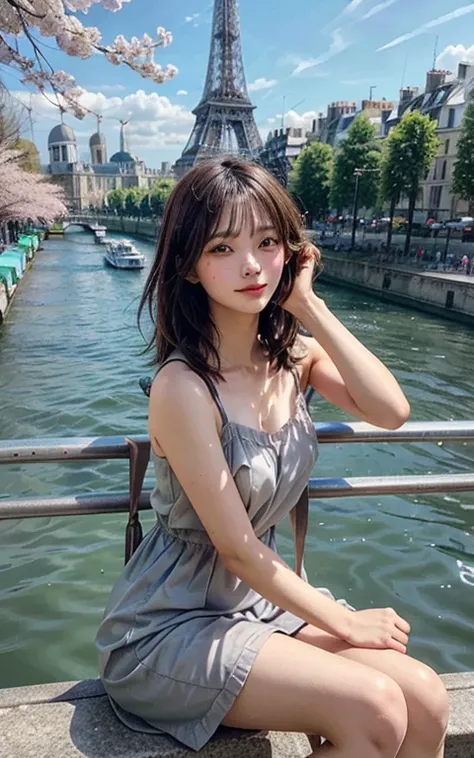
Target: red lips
point(253, 288)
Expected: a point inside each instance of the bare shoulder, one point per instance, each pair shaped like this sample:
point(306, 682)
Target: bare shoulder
point(179, 398)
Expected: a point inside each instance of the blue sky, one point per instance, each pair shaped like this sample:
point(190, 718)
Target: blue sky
point(309, 52)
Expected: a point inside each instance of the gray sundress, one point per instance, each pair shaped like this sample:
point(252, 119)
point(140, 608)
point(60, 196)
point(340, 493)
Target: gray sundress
point(180, 632)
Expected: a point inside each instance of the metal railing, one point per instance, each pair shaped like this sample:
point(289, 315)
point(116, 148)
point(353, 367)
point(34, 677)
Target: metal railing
point(106, 448)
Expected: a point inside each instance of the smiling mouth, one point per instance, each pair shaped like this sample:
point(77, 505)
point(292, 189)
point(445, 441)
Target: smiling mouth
point(253, 288)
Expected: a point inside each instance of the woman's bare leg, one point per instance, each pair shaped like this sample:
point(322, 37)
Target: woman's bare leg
point(295, 687)
point(424, 692)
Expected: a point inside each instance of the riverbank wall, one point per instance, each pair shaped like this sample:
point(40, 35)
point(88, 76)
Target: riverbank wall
point(73, 719)
point(436, 293)
point(144, 228)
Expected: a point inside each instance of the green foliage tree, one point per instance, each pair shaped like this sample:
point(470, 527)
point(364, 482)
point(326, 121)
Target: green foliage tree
point(159, 194)
point(30, 159)
point(116, 200)
point(463, 175)
point(392, 176)
point(359, 150)
point(411, 150)
point(310, 179)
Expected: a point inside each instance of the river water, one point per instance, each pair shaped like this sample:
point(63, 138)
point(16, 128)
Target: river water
point(69, 366)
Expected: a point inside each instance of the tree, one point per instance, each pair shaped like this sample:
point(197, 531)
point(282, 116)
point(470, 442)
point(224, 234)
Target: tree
point(159, 194)
point(463, 176)
point(56, 18)
point(25, 195)
point(411, 150)
point(310, 178)
point(29, 158)
point(392, 175)
point(360, 150)
point(116, 200)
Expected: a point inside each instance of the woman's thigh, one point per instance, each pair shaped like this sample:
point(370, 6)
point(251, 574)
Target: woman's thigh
point(296, 687)
point(424, 691)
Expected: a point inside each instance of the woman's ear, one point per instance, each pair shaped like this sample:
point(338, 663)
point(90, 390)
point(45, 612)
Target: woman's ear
point(192, 278)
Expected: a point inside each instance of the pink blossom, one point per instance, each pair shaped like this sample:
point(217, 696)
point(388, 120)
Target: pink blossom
point(54, 18)
point(25, 195)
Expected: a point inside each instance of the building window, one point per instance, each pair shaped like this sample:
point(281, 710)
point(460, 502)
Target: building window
point(56, 153)
point(435, 171)
point(446, 147)
point(443, 172)
point(451, 118)
point(99, 156)
point(435, 197)
point(64, 153)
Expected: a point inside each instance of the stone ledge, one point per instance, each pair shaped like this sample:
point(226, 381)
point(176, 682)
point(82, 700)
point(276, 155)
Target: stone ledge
point(73, 719)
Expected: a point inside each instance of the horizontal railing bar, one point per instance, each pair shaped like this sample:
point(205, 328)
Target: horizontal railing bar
point(80, 505)
point(89, 448)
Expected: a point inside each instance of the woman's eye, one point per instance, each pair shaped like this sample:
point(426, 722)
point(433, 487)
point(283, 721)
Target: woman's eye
point(220, 248)
point(269, 241)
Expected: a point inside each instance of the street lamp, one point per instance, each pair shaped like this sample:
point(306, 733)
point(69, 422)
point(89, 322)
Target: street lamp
point(358, 172)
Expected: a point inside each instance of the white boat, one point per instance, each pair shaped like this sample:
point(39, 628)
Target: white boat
point(123, 254)
point(99, 233)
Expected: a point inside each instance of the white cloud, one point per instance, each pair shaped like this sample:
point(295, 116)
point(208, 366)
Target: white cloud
point(182, 92)
point(458, 13)
point(378, 9)
point(154, 120)
point(353, 5)
point(452, 55)
point(104, 87)
point(338, 44)
point(188, 19)
point(305, 120)
point(261, 83)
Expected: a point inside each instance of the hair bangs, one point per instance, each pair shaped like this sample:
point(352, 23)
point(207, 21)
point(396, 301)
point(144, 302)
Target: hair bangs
point(245, 204)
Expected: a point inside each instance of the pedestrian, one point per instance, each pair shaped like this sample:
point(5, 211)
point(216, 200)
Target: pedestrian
point(207, 625)
point(464, 264)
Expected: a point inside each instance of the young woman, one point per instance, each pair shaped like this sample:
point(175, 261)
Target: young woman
point(207, 625)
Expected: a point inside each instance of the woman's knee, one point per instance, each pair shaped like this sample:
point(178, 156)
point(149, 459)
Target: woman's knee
point(384, 712)
point(428, 704)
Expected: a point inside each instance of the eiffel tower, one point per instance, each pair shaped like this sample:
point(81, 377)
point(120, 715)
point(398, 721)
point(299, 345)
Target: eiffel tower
point(224, 116)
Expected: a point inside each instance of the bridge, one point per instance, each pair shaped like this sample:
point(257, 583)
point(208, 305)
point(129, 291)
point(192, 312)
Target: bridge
point(88, 223)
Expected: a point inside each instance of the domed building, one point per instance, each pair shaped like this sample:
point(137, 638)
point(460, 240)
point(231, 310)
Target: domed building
point(98, 147)
point(62, 145)
point(86, 183)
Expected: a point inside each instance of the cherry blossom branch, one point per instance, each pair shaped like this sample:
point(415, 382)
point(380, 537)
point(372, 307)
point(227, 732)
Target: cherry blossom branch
point(54, 18)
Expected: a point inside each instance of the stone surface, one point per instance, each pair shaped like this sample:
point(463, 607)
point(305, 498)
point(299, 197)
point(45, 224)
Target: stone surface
point(74, 719)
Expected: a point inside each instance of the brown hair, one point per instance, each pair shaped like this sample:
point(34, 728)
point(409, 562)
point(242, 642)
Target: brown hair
point(178, 309)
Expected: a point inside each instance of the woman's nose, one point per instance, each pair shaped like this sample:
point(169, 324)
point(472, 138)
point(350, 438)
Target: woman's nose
point(251, 265)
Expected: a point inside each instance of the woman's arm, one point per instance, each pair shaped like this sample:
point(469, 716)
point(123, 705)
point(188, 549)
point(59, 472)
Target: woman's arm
point(345, 372)
point(183, 422)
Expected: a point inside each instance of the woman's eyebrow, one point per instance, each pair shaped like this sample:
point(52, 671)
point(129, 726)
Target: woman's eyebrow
point(224, 233)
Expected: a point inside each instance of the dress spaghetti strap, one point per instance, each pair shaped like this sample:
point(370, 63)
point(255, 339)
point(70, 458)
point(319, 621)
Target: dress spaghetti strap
point(206, 379)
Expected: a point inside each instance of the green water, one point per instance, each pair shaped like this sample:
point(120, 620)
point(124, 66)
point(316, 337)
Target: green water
point(69, 365)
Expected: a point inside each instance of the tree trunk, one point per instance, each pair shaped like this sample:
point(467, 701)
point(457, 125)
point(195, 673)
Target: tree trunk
point(393, 203)
point(411, 212)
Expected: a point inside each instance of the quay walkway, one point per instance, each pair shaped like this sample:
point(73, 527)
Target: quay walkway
point(73, 719)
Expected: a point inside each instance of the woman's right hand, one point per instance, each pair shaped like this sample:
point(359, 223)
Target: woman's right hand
point(379, 628)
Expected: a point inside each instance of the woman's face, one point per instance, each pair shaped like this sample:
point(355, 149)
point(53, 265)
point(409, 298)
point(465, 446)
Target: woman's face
point(229, 266)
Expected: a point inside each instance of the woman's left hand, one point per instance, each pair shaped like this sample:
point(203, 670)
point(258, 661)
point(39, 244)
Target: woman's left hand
point(303, 284)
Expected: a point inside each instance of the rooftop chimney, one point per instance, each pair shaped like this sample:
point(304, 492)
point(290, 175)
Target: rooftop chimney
point(435, 79)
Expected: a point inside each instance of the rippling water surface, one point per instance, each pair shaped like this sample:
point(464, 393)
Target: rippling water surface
point(69, 365)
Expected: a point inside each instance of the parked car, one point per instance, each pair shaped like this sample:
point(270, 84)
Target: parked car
point(460, 224)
